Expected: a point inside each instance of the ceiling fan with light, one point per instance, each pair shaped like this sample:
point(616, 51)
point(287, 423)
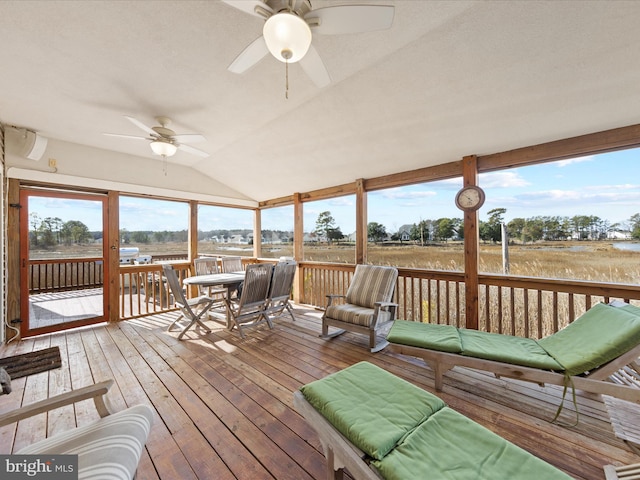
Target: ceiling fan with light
point(164, 141)
point(288, 27)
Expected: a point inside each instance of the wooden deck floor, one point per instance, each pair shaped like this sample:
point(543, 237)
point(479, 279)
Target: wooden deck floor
point(224, 405)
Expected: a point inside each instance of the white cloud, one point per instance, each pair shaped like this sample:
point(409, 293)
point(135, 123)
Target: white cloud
point(399, 194)
point(502, 180)
point(569, 161)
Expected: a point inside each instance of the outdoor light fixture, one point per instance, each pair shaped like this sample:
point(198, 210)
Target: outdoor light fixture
point(287, 36)
point(163, 147)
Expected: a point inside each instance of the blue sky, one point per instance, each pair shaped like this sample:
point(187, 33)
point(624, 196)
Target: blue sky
point(606, 185)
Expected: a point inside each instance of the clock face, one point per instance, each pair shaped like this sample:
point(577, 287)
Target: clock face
point(470, 198)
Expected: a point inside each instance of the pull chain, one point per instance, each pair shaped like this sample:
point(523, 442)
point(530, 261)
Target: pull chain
point(286, 76)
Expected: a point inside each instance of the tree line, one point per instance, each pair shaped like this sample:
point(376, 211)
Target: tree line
point(532, 229)
point(53, 231)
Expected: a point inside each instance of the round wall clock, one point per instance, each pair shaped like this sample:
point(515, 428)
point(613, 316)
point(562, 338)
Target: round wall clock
point(470, 198)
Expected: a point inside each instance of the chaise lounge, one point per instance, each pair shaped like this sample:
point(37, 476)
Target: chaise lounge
point(583, 354)
point(376, 425)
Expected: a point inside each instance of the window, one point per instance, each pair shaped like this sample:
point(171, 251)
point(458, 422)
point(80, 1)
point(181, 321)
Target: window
point(416, 226)
point(225, 230)
point(277, 232)
point(156, 227)
point(329, 230)
point(569, 219)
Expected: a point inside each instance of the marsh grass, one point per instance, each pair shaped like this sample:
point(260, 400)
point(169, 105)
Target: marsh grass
point(512, 311)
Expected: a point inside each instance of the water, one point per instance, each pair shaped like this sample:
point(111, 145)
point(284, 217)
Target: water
point(634, 247)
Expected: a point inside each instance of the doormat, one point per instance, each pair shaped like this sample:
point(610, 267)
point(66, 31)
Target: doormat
point(32, 362)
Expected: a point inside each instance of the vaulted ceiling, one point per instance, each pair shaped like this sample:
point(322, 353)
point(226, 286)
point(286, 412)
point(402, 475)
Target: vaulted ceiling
point(450, 78)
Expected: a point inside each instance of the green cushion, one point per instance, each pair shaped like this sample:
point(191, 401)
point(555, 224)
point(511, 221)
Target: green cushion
point(444, 338)
point(371, 407)
point(631, 309)
point(451, 446)
point(595, 338)
point(507, 349)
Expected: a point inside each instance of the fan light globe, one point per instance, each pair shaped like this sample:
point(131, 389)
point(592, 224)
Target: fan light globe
point(287, 36)
point(164, 148)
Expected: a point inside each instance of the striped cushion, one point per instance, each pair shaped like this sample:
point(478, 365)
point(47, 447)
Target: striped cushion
point(107, 449)
point(355, 314)
point(371, 284)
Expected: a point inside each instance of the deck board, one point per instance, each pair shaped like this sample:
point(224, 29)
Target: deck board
point(224, 404)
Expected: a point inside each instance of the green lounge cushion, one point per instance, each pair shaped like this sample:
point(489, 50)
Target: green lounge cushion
point(631, 309)
point(451, 446)
point(371, 407)
point(600, 335)
point(507, 349)
point(444, 338)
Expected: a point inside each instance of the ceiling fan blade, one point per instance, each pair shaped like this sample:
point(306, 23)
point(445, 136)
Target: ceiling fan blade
point(193, 151)
point(125, 136)
point(249, 6)
point(189, 138)
point(350, 19)
point(313, 66)
point(249, 56)
point(142, 126)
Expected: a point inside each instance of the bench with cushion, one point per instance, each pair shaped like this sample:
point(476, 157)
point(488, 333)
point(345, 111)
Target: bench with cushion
point(583, 354)
point(376, 425)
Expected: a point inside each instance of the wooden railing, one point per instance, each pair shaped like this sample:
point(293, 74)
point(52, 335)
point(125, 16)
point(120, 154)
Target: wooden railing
point(144, 289)
point(170, 257)
point(63, 275)
point(523, 306)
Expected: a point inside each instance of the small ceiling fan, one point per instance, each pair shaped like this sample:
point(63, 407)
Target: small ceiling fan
point(164, 141)
point(288, 31)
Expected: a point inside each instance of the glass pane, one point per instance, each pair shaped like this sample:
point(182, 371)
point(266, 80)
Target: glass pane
point(65, 282)
point(153, 229)
point(329, 230)
point(225, 231)
point(571, 219)
point(416, 226)
point(277, 232)
point(64, 228)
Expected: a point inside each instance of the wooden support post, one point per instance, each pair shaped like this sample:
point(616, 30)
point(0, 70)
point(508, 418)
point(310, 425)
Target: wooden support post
point(298, 238)
point(505, 249)
point(192, 236)
point(193, 230)
point(112, 277)
point(361, 222)
point(257, 233)
point(13, 259)
point(471, 247)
